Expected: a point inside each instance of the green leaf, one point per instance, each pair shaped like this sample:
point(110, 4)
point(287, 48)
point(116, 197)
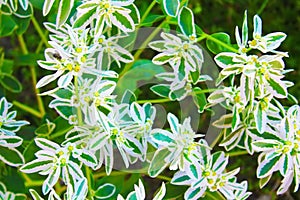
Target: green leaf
point(35, 195)
point(35, 166)
point(142, 70)
point(186, 21)
point(279, 88)
point(47, 6)
point(158, 163)
point(23, 24)
point(171, 7)
point(266, 167)
point(214, 46)
point(161, 193)
point(85, 18)
point(10, 83)
point(260, 117)
point(7, 25)
point(45, 129)
point(105, 191)
point(64, 10)
point(152, 18)
point(199, 99)
point(11, 156)
point(161, 90)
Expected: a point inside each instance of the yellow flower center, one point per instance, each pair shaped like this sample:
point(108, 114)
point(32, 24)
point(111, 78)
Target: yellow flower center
point(60, 153)
point(253, 43)
point(69, 66)
point(83, 59)
point(63, 161)
point(210, 181)
point(70, 148)
point(192, 37)
point(78, 50)
point(77, 68)
point(100, 40)
point(186, 47)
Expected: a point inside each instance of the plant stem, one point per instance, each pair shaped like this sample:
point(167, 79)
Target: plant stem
point(27, 109)
point(262, 7)
point(79, 114)
point(213, 144)
point(39, 30)
point(165, 178)
point(89, 182)
point(33, 76)
point(34, 183)
point(237, 153)
point(147, 12)
point(60, 133)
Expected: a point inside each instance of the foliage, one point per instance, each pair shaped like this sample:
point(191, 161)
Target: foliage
point(101, 127)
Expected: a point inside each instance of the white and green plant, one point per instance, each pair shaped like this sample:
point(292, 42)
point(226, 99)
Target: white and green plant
point(99, 128)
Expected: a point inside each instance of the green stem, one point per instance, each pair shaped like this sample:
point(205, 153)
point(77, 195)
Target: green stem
point(79, 113)
point(34, 183)
point(164, 178)
point(33, 76)
point(262, 7)
point(143, 46)
point(147, 12)
point(89, 182)
point(213, 144)
point(27, 109)
point(237, 153)
point(39, 30)
point(209, 37)
point(60, 133)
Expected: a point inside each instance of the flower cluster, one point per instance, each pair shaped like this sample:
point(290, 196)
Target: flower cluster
point(186, 59)
point(280, 150)
point(197, 167)
point(252, 100)
point(55, 161)
point(258, 122)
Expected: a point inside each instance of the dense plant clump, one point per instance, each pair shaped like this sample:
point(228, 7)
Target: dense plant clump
point(102, 128)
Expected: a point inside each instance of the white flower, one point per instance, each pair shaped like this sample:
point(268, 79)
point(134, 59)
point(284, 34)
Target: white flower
point(179, 52)
point(106, 13)
point(175, 148)
point(208, 174)
point(107, 51)
point(55, 161)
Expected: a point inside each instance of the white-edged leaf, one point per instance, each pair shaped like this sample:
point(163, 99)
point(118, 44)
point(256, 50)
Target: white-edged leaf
point(36, 166)
point(105, 191)
point(46, 144)
point(171, 7)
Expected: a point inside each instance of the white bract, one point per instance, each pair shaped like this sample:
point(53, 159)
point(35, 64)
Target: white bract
point(175, 148)
point(55, 162)
point(8, 138)
point(107, 13)
point(107, 51)
point(209, 174)
point(186, 59)
point(139, 193)
point(280, 150)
